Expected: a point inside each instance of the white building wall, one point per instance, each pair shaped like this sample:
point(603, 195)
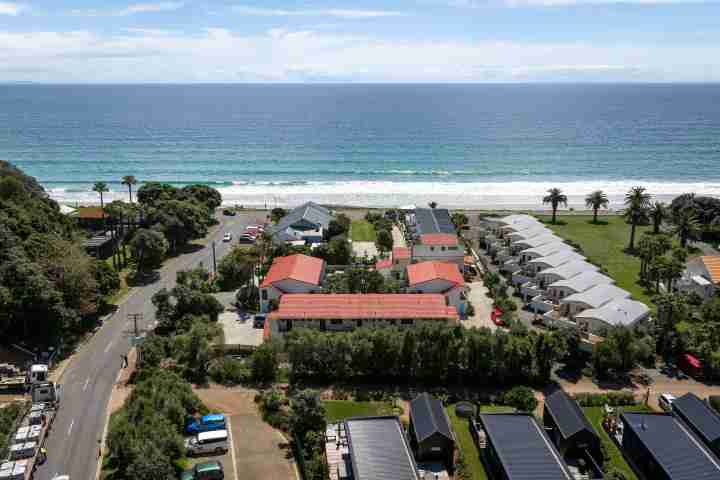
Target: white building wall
point(276, 290)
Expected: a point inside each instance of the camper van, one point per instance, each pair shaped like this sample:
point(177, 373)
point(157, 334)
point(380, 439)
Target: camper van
point(207, 443)
point(213, 421)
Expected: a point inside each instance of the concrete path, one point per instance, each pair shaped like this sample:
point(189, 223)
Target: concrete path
point(477, 294)
point(240, 331)
point(365, 249)
point(88, 381)
point(398, 238)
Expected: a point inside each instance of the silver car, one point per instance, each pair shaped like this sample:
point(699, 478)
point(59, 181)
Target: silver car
point(208, 443)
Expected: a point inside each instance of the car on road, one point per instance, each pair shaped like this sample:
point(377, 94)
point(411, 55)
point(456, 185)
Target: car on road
point(244, 238)
point(210, 422)
point(665, 400)
point(204, 471)
point(227, 237)
point(229, 212)
point(207, 443)
point(259, 321)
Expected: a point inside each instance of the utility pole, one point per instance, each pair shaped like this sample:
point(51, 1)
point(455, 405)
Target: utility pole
point(214, 259)
point(135, 317)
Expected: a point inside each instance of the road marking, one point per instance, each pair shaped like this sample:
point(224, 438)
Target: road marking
point(232, 448)
point(109, 345)
point(71, 425)
point(87, 382)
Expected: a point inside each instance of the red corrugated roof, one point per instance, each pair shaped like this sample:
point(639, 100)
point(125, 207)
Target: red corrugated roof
point(427, 271)
point(400, 253)
point(383, 264)
point(712, 263)
point(394, 306)
point(435, 239)
point(90, 213)
point(692, 361)
point(296, 267)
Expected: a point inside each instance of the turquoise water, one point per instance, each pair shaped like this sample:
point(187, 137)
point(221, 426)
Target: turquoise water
point(367, 144)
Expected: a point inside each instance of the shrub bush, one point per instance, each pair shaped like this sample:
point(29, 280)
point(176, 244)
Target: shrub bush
point(521, 398)
point(600, 399)
point(714, 401)
point(228, 371)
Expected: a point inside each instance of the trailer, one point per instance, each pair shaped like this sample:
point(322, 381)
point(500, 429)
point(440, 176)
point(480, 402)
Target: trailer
point(38, 373)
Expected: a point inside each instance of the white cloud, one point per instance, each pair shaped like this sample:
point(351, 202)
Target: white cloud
point(130, 10)
point(338, 13)
point(12, 9)
point(566, 3)
point(280, 55)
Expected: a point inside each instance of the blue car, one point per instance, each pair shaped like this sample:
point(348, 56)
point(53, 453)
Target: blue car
point(208, 423)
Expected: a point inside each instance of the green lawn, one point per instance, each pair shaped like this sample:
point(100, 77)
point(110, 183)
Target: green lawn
point(595, 415)
point(471, 453)
point(362, 231)
point(336, 410)
point(604, 245)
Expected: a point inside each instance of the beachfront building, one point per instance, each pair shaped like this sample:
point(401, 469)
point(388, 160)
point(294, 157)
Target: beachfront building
point(577, 283)
point(344, 312)
point(396, 264)
point(617, 313)
point(701, 276)
point(431, 435)
point(369, 448)
point(439, 277)
point(538, 273)
point(536, 265)
point(292, 274)
point(594, 297)
point(702, 419)
point(443, 247)
point(306, 223)
point(543, 251)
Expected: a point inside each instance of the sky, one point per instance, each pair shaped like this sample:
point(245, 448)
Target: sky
point(201, 41)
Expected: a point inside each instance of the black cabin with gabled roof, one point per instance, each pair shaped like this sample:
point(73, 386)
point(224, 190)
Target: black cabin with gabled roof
point(569, 429)
point(701, 419)
point(430, 431)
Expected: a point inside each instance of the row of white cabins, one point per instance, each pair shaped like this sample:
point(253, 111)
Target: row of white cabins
point(555, 280)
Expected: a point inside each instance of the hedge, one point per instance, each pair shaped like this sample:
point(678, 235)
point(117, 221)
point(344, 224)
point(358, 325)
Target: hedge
point(614, 399)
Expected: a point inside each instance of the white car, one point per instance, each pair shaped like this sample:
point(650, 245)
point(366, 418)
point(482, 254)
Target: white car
point(227, 237)
point(665, 400)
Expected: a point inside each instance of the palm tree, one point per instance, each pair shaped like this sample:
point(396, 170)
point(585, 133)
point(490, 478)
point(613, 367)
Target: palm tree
point(555, 197)
point(596, 200)
point(687, 226)
point(658, 212)
point(101, 187)
point(129, 180)
point(433, 205)
point(637, 202)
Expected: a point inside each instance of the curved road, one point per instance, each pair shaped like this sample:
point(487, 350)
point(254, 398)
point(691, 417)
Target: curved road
point(73, 443)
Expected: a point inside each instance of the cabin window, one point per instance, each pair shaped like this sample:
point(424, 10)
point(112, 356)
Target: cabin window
point(452, 248)
point(336, 321)
point(432, 249)
point(442, 248)
point(264, 295)
point(407, 321)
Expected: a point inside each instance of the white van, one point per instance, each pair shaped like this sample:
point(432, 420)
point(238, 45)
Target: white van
point(206, 443)
point(665, 400)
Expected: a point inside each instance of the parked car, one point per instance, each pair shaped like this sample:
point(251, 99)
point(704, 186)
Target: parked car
point(207, 443)
point(204, 471)
point(244, 238)
point(666, 400)
point(227, 237)
point(229, 212)
point(259, 321)
point(210, 422)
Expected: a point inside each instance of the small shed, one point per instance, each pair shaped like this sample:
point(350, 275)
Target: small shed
point(569, 429)
point(430, 431)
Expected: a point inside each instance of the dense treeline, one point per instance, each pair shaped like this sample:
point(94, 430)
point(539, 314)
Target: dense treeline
point(49, 286)
point(432, 353)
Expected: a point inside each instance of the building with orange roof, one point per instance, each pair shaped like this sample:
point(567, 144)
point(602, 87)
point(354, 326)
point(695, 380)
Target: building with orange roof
point(439, 277)
point(394, 266)
point(444, 247)
point(701, 276)
point(292, 274)
point(344, 312)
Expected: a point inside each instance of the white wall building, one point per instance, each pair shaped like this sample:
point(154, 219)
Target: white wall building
point(291, 274)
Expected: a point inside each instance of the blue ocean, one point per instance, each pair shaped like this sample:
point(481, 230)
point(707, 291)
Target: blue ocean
point(378, 144)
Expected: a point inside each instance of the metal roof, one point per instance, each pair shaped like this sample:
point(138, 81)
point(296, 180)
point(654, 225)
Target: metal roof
point(533, 231)
point(422, 272)
point(429, 417)
point(310, 212)
point(515, 219)
point(678, 452)
point(597, 296)
point(379, 449)
point(299, 267)
point(584, 281)
point(547, 249)
point(522, 447)
point(433, 220)
point(568, 415)
point(557, 259)
point(537, 241)
point(712, 265)
point(570, 269)
point(698, 414)
point(623, 312)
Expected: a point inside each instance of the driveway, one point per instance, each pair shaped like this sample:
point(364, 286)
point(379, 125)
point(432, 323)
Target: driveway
point(477, 294)
point(398, 237)
point(239, 331)
point(260, 451)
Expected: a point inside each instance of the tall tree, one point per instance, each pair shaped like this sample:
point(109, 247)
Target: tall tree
point(658, 212)
point(637, 202)
point(555, 198)
point(687, 226)
point(596, 200)
point(149, 248)
point(129, 180)
point(384, 241)
point(101, 187)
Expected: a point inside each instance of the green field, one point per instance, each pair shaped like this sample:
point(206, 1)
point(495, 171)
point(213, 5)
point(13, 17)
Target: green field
point(595, 415)
point(362, 231)
point(604, 244)
point(336, 410)
point(461, 428)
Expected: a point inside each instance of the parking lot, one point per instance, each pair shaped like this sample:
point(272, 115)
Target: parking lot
point(239, 329)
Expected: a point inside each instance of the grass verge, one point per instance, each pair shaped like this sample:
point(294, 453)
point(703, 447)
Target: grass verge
point(604, 244)
point(336, 410)
point(466, 445)
point(595, 415)
point(362, 231)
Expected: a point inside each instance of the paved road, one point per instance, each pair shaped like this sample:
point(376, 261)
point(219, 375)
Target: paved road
point(87, 383)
